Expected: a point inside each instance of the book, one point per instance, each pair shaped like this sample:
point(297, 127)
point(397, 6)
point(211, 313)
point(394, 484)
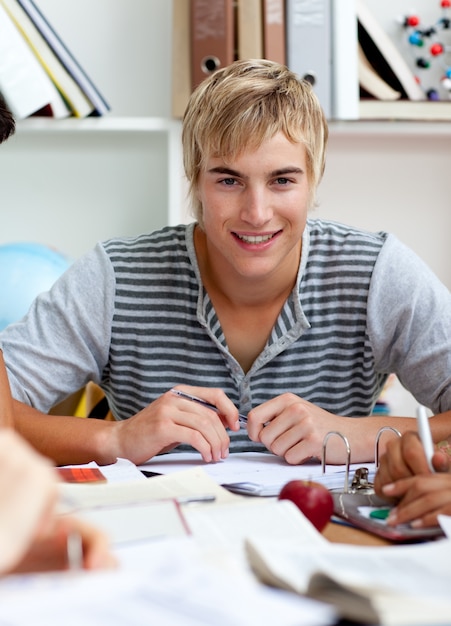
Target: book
point(24, 84)
point(274, 40)
point(181, 63)
point(212, 37)
point(249, 29)
point(384, 56)
point(370, 81)
point(372, 109)
point(138, 522)
point(78, 103)
point(345, 76)
point(308, 32)
point(81, 474)
point(67, 59)
point(394, 585)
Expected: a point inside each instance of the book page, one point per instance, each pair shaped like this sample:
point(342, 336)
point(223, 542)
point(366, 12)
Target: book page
point(189, 483)
point(227, 527)
point(406, 584)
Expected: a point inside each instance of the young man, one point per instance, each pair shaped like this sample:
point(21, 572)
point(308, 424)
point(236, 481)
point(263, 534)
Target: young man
point(295, 323)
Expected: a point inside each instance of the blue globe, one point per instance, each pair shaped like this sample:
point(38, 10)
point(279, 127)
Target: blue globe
point(26, 269)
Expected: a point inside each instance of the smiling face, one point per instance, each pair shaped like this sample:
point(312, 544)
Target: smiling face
point(254, 210)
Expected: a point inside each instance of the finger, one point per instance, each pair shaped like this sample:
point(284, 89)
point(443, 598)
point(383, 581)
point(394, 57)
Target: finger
point(218, 401)
point(441, 462)
point(399, 488)
point(95, 544)
point(202, 428)
point(403, 458)
point(420, 512)
point(422, 496)
point(413, 454)
point(267, 414)
point(287, 440)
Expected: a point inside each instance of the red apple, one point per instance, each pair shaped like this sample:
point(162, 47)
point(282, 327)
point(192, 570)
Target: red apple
point(314, 500)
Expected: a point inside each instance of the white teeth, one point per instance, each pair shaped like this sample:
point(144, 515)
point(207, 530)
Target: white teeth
point(255, 238)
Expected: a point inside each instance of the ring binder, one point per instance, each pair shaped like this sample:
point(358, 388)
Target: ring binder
point(378, 436)
point(352, 503)
point(348, 457)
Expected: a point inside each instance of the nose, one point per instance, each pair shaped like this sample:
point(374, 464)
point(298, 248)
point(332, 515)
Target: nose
point(256, 207)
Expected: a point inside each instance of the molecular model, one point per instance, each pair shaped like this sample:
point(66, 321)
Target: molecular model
point(430, 46)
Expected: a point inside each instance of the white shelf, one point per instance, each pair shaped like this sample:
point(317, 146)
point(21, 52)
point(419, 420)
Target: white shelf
point(100, 124)
point(169, 129)
point(391, 128)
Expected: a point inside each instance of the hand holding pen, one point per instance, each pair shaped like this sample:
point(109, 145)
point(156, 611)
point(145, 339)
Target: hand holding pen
point(242, 419)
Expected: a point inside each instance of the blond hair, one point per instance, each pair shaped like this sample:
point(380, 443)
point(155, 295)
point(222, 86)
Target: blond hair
point(244, 104)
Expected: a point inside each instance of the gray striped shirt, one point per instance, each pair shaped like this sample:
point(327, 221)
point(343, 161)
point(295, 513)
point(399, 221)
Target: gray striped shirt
point(133, 316)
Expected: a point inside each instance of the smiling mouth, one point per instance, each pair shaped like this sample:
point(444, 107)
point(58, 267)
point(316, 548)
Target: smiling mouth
point(255, 238)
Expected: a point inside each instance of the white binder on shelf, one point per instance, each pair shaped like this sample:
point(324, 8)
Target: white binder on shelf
point(308, 30)
point(345, 68)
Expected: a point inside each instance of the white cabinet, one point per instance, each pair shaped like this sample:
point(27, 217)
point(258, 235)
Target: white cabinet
point(73, 182)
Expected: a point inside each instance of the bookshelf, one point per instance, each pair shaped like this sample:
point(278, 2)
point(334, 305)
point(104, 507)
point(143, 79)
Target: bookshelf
point(70, 183)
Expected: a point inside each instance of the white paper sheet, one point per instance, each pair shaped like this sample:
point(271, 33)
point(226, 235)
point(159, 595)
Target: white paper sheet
point(257, 468)
point(167, 583)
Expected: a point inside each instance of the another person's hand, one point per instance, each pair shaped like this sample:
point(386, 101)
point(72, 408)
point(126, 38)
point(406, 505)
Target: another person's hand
point(28, 494)
point(405, 477)
point(32, 536)
point(49, 550)
point(405, 457)
point(171, 420)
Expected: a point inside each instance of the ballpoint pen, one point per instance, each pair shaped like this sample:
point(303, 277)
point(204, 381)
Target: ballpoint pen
point(424, 432)
point(241, 418)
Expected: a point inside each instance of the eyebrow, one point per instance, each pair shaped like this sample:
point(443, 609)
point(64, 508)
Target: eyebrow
point(291, 169)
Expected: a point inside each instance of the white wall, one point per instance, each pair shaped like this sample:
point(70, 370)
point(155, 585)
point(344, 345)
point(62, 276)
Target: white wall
point(393, 182)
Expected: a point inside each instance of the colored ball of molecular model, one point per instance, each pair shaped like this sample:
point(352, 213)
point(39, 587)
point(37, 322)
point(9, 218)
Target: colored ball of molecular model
point(430, 47)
